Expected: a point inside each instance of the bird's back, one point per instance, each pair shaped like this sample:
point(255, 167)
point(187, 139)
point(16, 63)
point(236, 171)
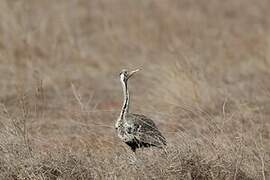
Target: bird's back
point(144, 130)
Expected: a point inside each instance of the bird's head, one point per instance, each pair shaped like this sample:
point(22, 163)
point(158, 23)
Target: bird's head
point(125, 74)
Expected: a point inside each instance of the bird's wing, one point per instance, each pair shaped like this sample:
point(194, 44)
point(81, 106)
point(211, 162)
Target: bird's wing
point(153, 137)
point(146, 131)
point(142, 120)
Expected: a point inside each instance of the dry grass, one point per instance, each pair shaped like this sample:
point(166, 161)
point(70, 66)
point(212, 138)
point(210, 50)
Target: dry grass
point(205, 83)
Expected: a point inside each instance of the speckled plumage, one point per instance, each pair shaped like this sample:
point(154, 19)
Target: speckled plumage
point(134, 129)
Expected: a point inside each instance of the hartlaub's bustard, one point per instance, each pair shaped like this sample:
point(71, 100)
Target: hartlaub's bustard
point(134, 129)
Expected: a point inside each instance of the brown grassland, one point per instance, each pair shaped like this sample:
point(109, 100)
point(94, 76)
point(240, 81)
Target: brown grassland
point(205, 82)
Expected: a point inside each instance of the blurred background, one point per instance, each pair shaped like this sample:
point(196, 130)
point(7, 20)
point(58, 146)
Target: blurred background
point(205, 71)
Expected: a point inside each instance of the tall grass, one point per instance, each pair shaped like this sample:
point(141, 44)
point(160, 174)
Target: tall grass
point(205, 82)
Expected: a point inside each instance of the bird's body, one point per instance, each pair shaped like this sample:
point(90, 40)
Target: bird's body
point(134, 129)
point(140, 131)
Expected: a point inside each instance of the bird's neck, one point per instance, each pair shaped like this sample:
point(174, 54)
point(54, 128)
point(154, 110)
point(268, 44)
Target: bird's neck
point(125, 106)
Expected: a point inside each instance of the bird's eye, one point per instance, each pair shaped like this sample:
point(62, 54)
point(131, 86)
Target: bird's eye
point(124, 73)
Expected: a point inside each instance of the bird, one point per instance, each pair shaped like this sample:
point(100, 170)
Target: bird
point(136, 130)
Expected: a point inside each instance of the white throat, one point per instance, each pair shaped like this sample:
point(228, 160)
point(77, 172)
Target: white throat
point(125, 106)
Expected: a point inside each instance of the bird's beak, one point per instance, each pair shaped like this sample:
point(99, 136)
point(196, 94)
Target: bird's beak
point(133, 72)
